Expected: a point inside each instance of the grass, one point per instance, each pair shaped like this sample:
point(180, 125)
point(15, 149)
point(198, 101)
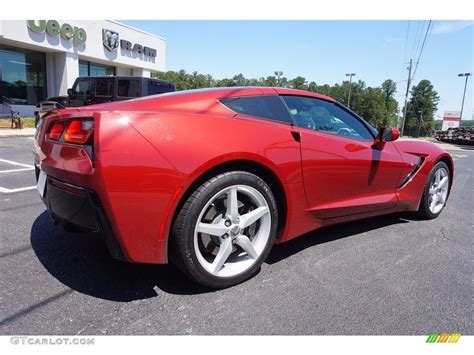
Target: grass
point(28, 122)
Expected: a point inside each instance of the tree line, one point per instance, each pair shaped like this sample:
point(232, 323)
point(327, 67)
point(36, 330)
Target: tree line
point(377, 105)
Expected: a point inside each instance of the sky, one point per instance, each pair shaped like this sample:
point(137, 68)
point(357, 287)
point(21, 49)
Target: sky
point(324, 51)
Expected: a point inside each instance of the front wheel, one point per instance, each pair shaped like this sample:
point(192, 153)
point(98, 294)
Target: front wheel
point(225, 229)
point(436, 192)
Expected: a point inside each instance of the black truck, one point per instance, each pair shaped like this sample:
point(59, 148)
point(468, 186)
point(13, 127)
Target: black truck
point(99, 89)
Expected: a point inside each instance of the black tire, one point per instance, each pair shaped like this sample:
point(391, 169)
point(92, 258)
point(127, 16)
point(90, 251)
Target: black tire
point(424, 211)
point(182, 250)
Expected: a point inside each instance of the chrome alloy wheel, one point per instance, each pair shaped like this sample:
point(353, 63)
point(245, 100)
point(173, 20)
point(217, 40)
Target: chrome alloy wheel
point(438, 192)
point(232, 231)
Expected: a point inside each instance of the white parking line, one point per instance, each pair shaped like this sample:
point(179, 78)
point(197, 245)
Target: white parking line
point(23, 167)
point(15, 163)
point(9, 191)
point(15, 170)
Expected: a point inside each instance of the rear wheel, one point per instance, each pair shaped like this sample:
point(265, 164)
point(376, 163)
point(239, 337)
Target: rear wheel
point(225, 229)
point(436, 192)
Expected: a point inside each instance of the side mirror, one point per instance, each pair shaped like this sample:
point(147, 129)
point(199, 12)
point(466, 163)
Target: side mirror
point(385, 134)
point(70, 93)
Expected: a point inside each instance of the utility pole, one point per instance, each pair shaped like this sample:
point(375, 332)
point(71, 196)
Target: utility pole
point(402, 128)
point(278, 73)
point(350, 75)
point(467, 75)
point(420, 123)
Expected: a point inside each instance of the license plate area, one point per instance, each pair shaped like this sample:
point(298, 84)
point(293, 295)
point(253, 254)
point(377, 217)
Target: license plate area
point(41, 185)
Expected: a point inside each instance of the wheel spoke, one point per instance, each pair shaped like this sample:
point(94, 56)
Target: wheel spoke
point(212, 229)
point(441, 198)
point(245, 243)
point(250, 218)
point(434, 201)
point(443, 182)
point(438, 177)
point(225, 250)
point(232, 204)
point(433, 190)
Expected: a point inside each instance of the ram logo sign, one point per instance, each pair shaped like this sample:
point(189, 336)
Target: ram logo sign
point(110, 39)
point(111, 42)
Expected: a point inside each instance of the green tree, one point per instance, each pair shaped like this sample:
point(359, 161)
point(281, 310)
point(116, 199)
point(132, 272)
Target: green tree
point(298, 83)
point(389, 88)
point(421, 108)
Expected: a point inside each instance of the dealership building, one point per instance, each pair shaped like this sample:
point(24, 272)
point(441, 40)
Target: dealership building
point(43, 58)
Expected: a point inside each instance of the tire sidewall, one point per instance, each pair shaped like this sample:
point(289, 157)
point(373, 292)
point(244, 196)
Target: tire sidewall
point(206, 192)
point(424, 206)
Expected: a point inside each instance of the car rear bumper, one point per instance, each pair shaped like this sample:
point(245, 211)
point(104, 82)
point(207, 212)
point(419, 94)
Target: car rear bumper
point(80, 207)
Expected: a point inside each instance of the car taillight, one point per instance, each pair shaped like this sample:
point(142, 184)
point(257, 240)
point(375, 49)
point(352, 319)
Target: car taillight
point(79, 131)
point(56, 130)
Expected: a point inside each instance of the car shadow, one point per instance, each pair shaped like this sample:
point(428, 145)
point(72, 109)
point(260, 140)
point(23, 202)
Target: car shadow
point(83, 263)
point(328, 234)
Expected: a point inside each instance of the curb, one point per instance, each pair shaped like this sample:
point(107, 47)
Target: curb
point(26, 132)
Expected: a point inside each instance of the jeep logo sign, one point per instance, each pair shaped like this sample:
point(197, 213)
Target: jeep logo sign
point(54, 29)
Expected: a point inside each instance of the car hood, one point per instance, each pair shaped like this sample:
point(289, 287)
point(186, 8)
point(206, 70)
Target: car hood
point(411, 149)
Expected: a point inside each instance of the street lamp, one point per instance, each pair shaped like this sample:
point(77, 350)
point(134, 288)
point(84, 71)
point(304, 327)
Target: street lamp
point(350, 75)
point(278, 73)
point(467, 75)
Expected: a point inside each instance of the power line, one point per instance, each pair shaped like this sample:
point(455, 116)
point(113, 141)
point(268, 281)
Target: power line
point(428, 30)
point(414, 40)
point(419, 38)
point(406, 42)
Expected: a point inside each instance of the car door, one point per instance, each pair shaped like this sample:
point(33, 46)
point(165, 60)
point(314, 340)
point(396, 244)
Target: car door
point(103, 90)
point(82, 92)
point(342, 173)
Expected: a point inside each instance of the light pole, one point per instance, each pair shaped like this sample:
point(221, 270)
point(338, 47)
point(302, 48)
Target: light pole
point(278, 73)
point(467, 75)
point(350, 75)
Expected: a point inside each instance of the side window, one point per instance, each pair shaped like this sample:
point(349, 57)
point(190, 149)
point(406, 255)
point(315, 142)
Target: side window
point(155, 87)
point(83, 88)
point(128, 88)
point(324, 116)
point(269, 107)
point(104, 87)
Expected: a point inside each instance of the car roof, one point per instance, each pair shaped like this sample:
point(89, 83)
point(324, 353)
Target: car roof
point(199, 100)
point(120, 77)
point(233, 91)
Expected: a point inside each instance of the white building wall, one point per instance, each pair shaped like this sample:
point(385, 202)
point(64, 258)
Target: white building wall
point(18, 31)
point(62, 56)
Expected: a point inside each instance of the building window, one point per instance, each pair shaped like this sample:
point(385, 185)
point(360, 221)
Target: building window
point(94, 69)
point(22, 76)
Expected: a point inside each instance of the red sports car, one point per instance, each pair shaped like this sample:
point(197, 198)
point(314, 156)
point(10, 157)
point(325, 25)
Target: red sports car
point(210, 179)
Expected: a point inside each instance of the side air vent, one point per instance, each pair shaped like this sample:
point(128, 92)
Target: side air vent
point(412, 173)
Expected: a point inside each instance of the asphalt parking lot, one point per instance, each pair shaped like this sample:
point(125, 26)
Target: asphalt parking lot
point(392, 275)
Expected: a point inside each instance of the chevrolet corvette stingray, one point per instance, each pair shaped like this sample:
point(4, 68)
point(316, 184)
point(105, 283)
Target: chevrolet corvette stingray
point(210, 179)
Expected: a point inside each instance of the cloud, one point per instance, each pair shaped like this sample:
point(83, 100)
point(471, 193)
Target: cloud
point(441, 27)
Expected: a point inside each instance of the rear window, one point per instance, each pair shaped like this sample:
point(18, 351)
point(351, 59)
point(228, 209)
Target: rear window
point(155, 87)
point(104, 87)
point(128, 88)
point(270, 107)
